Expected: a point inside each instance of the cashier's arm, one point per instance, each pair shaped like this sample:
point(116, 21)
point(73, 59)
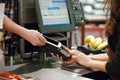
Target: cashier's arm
point(33, 36)
point(99, 57)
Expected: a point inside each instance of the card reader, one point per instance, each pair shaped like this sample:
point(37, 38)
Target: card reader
point(55, 47)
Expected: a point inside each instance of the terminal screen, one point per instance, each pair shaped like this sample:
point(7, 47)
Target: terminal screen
point(54, 12)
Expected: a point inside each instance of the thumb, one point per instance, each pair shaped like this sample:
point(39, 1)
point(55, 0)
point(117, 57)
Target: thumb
point(66, 49)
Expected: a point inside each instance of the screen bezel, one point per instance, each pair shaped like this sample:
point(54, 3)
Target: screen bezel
point(55, 28)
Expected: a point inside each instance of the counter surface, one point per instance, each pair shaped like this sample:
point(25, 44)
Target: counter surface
point(48, 70)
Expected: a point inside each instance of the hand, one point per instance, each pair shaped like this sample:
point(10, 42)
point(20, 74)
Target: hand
point(35, 38)
point(77, 56)
point(61, 59)
point(32, 36)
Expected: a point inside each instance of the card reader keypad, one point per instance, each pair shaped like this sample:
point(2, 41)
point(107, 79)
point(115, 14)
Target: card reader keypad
point(78, 12)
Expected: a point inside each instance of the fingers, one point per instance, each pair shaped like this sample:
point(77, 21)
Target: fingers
point(73, 60)
point(42, 39)
point(56, 56)
point(66, 49)
point(73, 52)
point(61, 59)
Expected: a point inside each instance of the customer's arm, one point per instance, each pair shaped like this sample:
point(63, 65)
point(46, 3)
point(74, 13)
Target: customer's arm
point(34, 37)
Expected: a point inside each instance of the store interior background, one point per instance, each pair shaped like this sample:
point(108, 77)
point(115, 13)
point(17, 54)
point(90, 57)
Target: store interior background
point(23, 13)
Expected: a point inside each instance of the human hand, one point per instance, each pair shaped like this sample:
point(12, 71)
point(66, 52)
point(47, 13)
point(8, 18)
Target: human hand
point(34, 37)
point(70, 61)
point(77, 56)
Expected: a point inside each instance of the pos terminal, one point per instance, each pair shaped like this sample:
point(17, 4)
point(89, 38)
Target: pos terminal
point(55, 47)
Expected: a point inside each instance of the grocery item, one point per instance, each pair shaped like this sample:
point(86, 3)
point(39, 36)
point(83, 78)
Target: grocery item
point(90, 40)
point(9, 76)
point(98, 41)
point(103, 45)
point(95, 43)
point(13, 76)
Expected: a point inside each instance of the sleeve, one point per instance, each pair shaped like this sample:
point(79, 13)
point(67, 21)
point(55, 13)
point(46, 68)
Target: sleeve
point(113, 67)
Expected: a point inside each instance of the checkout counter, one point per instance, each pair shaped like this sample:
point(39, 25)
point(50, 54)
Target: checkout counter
point(45, 70)
point(50, 69)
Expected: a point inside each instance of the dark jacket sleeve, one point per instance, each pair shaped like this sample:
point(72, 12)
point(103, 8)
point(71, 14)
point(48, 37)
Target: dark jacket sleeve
point(113, 66)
